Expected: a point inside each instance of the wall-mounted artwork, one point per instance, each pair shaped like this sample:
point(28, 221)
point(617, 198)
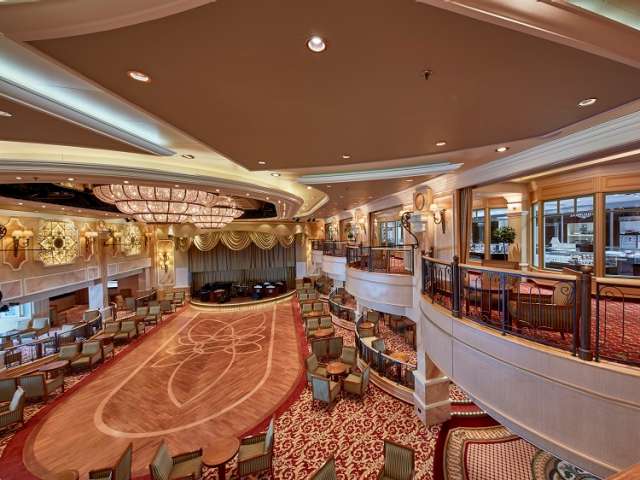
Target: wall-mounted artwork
point(58, 241)
point(89, 241)
point(132, 239)
point(14, 244)
point(165, 263)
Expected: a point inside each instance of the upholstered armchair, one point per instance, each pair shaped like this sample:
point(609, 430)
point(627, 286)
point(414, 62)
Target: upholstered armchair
point(39, 326)
point(13, 412)
point(307, 308)
point(23, 325)
point(335, 347)
point(314, 367)
point(256, 453)
point(111, 328)
point(320, 348)
point(324, 390)
point(69, 352)
point(154, 315)
point(90, 315)
point(35, 385)
point(399, 462)
point(141, 313)
point(166, 467)
point(7, 389)
point(318, 306)
point(349, 356)
point(90, 355)
point(311, 325)
point(326, 322)
point(366, 332)
point(127, 331)
point(166, 306)
point(130, 304)
point(178, 298)
point(378, 345)
point(120, 471)
point(326, 471)
point(357, 383)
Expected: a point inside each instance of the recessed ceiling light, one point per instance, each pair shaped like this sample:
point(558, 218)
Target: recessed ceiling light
point(79, 211)
point(328, 186)
point(139, 76)
point(71, 179)
point(189, 156)
point(408, 179)
point(316, 44)
point(217, 190)
point(63, 208)
point(176, 186)
point(20, 203)
point(308, 188)
point(5, 114)
point(247, 194)
point(346, 156)
point(18, 178)
point(587, 102)
point(440, 144)
point(43, 206)
point(274, 174)
point(266, 198)
point(261, 162)
point(126, 181)
point(502, 149)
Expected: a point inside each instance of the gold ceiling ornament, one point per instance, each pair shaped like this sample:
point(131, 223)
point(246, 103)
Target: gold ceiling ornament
point(223, 211)
point(238, 240)
point(155, 204)
point(58, 242)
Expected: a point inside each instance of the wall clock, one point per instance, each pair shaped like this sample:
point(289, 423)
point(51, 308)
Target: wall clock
point(419, 201)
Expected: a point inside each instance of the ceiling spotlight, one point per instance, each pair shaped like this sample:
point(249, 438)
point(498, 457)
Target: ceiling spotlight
point(125, 181)
point(440, 144)
point(587, 102)
point(139, 76)
point(63, 208)
point(71, 179)
point(328, 186)
point(274, 174)
point(20, 203)
point(18, 178)
point(217, 190)
point(316, 44)
point(308, 188)
point(346, 156)
point(261, 162)
point(5, 114)
point(408, 179)
point(176, 186)
point(43, 206)
point(189, 156)
point(266, 198)
point(247, 194)
point(502, 149)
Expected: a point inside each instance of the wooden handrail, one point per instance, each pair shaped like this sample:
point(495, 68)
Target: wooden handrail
point(547, 275)
point(435, 260)
point(632, 473)
point(619, 282)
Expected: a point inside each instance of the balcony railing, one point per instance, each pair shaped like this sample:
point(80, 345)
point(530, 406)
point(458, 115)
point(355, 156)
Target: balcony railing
point(334, 249)
point(396, 259)
point(371, 350)
point(342, 305)
point(559, 310)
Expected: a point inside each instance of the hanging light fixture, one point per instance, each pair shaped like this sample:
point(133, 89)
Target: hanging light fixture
point(155, 204)
point(223, 212)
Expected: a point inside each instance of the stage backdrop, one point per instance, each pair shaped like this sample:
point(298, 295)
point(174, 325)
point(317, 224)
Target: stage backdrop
point(249, 265)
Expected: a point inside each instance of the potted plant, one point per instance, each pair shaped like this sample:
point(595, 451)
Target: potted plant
point(504, 236)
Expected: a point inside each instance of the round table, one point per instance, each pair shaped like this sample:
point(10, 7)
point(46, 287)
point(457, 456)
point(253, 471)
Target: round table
point(335, 369)
point(367, 325)
point(67, 475)
point(401, 356)
point(218, 454)
point(52, 367)
point(323, 332)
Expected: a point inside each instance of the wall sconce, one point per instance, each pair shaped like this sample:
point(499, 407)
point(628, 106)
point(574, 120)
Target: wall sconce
point(438, 216)
point(21, 240)
point(114, 240)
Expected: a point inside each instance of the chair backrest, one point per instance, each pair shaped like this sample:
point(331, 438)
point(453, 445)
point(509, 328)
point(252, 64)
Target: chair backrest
point(365, 332)
point(326, 322)
point(89, 315)
point(320, 347)
point(268, 439)
point(320, 388)
point(563, 294)
point(7, 389)
point(23, 324)
point(312, 324)
point(335, 346)
point(318, 306)
point(378, 345)
point(302, 296)
point(17, 401)
point(349, 355)
point(306, 308)
point(154, 310)
point(128, 326)
point(326, 471)
point(41, 322)
point(142, 311)
point(122, 469)
point(111, 327)
point(373, 316)
point(130, 303)
point(162, 463)
point(69, 351)
point(399, 461)
point(365, 378)
point(91, 348)
point(312, 363)
point(32, 384)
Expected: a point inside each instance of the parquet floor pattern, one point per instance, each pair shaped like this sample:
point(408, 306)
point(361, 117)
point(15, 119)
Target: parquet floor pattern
point(202, 376)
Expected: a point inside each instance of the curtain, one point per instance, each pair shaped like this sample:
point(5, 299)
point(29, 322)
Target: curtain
point(237, 240)
point(250, 265)
point(464, 205)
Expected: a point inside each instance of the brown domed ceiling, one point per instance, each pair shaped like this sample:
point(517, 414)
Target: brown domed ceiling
point(236, 74)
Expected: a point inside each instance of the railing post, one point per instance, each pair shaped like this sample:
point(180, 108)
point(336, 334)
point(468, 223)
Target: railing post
point(455, 286)
point(585, 352)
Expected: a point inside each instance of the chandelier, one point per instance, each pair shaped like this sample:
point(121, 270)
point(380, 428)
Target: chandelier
point(156, 204)
point(223, 212)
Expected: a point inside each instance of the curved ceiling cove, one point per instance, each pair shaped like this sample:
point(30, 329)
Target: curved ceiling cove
point(241, 87)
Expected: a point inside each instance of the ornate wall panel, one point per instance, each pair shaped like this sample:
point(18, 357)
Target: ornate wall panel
point(59, 242)
point(133, 239)
point(14, 258)
point(11, 289)
point(165, 263)
point(55, 280)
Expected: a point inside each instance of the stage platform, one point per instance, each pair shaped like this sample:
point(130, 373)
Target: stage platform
point(240, 301)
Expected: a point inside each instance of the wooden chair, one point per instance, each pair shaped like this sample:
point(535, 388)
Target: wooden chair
point(120, 471)
point(318, 306)
point(69, 351)
point(326, 471)
point(399, 462)
point(128, 330)
point(320, 348)
point(311, 325)
point(182, 466)
point(256, 453)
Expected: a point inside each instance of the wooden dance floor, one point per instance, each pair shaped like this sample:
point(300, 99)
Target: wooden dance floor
point(202, 376)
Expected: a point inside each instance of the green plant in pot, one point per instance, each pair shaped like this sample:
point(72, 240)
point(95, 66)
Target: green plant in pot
point(505, 236)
